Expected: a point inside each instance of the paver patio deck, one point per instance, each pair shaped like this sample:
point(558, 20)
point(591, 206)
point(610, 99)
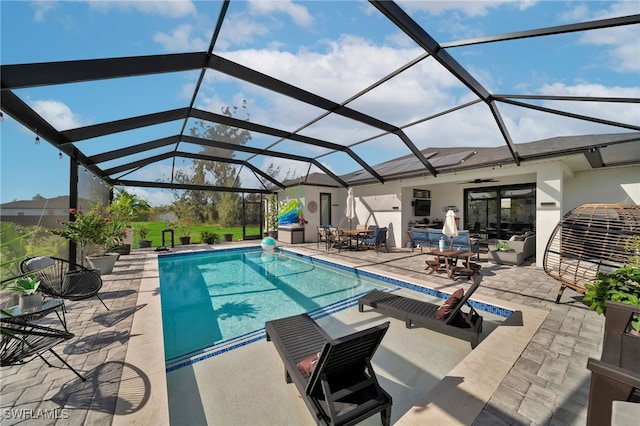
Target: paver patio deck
point(548, 384)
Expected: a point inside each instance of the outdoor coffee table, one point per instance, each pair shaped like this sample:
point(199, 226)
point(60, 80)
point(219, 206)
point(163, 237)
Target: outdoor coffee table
point(15, 315)
point(449, 259)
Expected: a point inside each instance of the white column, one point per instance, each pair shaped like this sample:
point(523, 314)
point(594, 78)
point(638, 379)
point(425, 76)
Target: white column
point(549, 209)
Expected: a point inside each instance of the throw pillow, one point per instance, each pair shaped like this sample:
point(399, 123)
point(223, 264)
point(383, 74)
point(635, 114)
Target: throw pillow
point(307, 365)
point(39, 263)
point(450, 304)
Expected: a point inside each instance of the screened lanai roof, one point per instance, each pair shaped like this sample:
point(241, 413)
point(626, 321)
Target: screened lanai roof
point(297, 89)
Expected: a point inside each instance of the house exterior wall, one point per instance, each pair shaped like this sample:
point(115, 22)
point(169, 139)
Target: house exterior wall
point(619, 185)
point(559, 189)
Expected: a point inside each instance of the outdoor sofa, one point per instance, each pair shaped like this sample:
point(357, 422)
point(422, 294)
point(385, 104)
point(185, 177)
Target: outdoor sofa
point(430, 238)
point(521, 247)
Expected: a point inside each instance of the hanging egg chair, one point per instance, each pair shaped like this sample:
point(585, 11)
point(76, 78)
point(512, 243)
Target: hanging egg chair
point(589, 239)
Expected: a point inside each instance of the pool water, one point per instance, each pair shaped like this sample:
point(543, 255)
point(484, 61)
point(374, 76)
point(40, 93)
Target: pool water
point(218, 296)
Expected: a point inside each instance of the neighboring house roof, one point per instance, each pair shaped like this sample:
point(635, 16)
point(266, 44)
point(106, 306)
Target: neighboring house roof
point(60, 202)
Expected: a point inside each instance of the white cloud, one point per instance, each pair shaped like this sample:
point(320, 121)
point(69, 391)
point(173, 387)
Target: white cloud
point(155, 197)
point(170, 9)
point(41, 8)
point(58, 114)
point(621, 44)
point(298, 13)
point(181, 39)
point(579, 12)
point(239, 30)
point(618, 112)
point(469, 8)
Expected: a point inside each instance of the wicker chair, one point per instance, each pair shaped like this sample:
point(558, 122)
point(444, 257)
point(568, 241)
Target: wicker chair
point(63, 279)
point(590, 239)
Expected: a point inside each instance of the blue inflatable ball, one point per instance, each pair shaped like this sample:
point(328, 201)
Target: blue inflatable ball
point(268, 244)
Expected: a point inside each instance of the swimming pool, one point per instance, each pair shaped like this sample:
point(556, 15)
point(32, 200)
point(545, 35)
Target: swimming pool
point(221, 296)
point(216, 301)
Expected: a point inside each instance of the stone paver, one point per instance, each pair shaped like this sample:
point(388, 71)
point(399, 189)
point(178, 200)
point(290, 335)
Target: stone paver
point(548, 385)
point(34, 393)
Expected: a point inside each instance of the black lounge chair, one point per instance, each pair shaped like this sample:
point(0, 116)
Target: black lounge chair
point(462, 324)
point(21, 343)
point(62, 279)
point(343, 388)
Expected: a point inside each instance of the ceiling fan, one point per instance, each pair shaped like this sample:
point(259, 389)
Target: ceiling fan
point(476, 181)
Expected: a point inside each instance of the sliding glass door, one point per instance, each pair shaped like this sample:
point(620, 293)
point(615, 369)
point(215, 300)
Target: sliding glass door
point(500, 212)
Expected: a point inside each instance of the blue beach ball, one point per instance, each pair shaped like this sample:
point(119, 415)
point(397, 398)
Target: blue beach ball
point(268, 244)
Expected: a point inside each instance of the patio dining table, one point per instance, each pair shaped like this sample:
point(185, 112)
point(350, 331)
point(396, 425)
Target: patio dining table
point(356, 234)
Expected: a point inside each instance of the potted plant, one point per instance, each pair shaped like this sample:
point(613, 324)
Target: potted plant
point(621, 286)
point(126, 206)
point(142, 233)
point(29, 299)
point(209, 237)
point(184, 230)
point(503, 247)
point(99, 228)
point(228, 236)
point(272, 217)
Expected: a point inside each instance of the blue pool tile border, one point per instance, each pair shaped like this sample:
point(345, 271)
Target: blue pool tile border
point(257, 335)
point(503, 312)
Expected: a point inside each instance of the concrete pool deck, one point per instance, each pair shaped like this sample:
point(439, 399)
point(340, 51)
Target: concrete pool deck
point(534, 374)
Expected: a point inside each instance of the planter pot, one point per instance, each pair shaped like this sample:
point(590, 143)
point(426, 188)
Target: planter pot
point(103, 263)
point(228, 237)
point(144, 243)
point(185, 240)
point(273, 234)
point(30, 303)
point(128, 239)
point(122, 249)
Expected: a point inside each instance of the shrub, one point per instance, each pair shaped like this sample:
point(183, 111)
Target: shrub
point(208, 237)
point(622, 286)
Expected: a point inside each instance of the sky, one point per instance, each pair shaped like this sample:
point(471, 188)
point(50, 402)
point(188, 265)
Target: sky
point(332, 48)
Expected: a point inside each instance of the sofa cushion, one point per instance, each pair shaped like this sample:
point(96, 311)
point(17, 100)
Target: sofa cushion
point(419, 236)
point(39, 263)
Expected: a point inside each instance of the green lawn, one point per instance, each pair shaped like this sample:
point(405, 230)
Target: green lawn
point(155, 232)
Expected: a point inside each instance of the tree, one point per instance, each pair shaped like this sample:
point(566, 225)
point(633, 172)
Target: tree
point(207, 206)
point(129, 206)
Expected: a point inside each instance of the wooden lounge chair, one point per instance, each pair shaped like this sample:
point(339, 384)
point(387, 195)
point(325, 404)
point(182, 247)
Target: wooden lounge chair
point(462, 324)
point(343, 388)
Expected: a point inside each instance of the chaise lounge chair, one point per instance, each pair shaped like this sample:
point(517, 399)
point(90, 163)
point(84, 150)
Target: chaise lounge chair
point(343, 388)
point(466, 325)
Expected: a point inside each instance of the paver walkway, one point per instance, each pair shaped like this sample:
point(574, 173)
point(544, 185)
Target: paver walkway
point(548, 385)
